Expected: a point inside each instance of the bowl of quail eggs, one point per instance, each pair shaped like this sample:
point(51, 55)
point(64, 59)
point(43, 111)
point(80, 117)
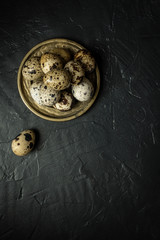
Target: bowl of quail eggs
point(58, 79)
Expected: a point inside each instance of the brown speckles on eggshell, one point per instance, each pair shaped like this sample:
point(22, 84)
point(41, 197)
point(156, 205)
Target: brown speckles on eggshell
point(76, 71)
point(83, 91)
point(50, 61)
point(65, 102)
point(32, 69)
point(85, 58)
point(58, 79)
point(44, 95)
point(28, 137)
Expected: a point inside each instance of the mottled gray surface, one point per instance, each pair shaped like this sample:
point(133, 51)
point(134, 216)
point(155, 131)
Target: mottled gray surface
point(98, 176)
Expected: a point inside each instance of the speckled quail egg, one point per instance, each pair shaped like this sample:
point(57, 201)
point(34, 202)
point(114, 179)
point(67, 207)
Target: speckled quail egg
point(65, 101)
point(83, 91)
point(35, 91)
point(44, 94)
point(59, 79)
point(50, 61)
point(86, 59)
point(76, 71)
point(23, 143)
point(48, 95)
point(32, 69)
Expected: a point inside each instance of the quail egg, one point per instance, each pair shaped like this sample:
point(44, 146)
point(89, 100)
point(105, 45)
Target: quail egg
point(58, 79)
point(65, 101)
point(50, 61)
point(44, 94)
point(86, 59)
point(32, 69)
point(83, 91)
point(23, 143)
point(35, 92)
point(76, 71)
point(48, 95)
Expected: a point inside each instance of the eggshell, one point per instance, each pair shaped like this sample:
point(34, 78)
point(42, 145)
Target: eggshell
point(83, 91)
point(58, 79)
point(32, 69)
point(86, 59)
point(44, 94)
point(76, 71)
point(50, 61)
point(48, 95)
point(23, 143)
point(65, 102)
point(35, 92)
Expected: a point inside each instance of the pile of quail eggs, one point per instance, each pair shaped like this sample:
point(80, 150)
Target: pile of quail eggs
point(58, 78)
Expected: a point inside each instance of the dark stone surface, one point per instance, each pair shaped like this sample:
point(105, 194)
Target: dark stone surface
point(98, 176)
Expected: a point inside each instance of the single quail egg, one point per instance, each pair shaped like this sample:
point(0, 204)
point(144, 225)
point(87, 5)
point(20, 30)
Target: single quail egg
point(76, 71)
point(48, 95)
point(83, 91)
point(35, 92)
point(50, 61)
point(44, 94)
point(65, 101)
point(86, 59)
point(23, 143)
point(58, 79)
point(32, 69)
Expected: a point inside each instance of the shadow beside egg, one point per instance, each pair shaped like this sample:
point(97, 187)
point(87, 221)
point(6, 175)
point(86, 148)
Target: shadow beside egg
point(37, 138)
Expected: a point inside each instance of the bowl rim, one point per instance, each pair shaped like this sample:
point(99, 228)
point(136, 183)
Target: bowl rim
point(32, 109)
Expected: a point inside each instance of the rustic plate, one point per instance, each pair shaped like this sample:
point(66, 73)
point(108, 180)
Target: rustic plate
point(49, 113)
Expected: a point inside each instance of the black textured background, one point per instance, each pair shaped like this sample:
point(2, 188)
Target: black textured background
point(98, 176)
